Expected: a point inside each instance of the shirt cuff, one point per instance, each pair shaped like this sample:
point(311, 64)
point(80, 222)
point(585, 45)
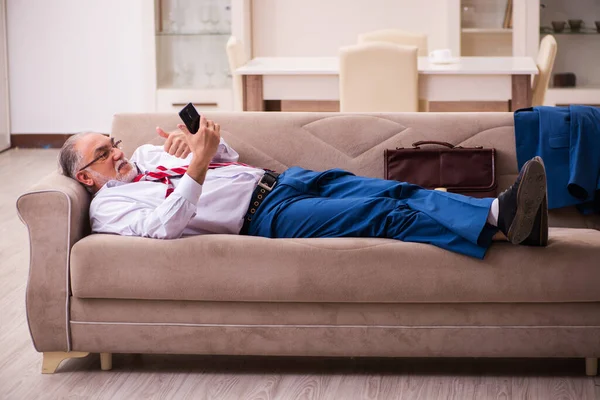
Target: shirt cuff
point(189, 189)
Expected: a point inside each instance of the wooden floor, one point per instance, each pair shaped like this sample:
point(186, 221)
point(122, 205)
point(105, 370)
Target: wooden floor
point(206, 377)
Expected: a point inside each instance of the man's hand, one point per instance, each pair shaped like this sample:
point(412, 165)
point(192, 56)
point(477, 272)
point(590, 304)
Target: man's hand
point(176, 144)
point(204, 145)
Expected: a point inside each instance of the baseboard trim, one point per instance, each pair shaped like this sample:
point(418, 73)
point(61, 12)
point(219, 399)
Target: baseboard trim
point(38, 140)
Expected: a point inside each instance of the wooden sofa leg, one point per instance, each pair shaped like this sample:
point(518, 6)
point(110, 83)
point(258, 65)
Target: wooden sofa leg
point(591, 366)
point(52, 359)
point(106, 361)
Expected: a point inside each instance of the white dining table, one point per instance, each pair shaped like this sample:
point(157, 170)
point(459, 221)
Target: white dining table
point(470, 81)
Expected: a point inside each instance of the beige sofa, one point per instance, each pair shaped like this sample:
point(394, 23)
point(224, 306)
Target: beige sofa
point(227, 294)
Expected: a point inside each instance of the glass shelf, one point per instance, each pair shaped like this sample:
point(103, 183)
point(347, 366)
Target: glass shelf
point(484, 16)
point(197, 61)
point(583, 87)
point(486, 30)
point(193, 33)
point(548, 30)
point(191, 38)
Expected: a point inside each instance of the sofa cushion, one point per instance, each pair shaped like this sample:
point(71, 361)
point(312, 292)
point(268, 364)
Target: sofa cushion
point(240, 268)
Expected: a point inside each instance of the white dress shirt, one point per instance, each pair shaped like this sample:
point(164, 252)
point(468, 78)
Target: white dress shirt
point(141, 209)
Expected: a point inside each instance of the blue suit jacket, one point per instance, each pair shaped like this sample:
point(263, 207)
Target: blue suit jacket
point(568, 140)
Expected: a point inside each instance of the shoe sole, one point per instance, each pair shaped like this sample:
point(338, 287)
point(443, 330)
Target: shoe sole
point(529, 197)
point(544, 223)
point(544, 211)
point(541, 235)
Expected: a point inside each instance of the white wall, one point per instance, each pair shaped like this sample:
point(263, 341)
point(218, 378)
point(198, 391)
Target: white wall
point(74, 63)
point(320, 27)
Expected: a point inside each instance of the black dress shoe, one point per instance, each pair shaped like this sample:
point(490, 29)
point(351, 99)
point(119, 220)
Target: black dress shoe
point(519, 204)
point(539, 231)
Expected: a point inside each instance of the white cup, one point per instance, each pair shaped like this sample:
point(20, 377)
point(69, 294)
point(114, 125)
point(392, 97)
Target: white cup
point(442, 55)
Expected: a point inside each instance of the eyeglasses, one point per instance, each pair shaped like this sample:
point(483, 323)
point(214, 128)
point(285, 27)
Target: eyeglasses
point(105, 153)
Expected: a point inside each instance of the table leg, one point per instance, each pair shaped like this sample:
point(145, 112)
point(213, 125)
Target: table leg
point(253, 93)
point(521, 92)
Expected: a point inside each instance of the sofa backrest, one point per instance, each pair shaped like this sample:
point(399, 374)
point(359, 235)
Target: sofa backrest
point(351, 141)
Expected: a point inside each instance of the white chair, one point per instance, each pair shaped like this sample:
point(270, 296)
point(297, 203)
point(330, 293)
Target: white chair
point(237, 58)
point(398, 37)
point(545, 63)
point(378, 77)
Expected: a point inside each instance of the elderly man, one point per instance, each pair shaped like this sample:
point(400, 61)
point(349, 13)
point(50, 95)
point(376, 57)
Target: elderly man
point(194, 185)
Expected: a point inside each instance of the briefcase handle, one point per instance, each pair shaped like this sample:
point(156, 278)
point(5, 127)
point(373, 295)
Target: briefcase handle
point(416, 145)
point(422, 142)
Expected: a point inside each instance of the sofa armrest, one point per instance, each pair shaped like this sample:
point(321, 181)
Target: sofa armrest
point(55, 212)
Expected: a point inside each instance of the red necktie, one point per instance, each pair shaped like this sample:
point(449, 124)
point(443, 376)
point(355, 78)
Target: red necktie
point(163, 174)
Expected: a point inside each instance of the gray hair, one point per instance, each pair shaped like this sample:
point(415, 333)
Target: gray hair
point(69, 158)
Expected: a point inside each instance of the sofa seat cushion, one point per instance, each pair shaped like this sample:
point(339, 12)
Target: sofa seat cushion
point(241, 268)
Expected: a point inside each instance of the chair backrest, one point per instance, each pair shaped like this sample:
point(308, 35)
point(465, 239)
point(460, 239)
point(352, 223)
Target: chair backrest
point(545, 62)
point(398, 37)
point(378, 77)
point(237, 58)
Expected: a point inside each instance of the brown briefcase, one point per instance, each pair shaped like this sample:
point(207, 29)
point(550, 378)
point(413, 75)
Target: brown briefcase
point(466, 170)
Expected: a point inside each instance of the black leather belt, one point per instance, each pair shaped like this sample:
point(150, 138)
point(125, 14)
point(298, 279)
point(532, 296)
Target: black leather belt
point(264, 187)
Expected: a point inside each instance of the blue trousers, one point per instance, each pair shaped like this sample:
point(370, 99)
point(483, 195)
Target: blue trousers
point(337, 203)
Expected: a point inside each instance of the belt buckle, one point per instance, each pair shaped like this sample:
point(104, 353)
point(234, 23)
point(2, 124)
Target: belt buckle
point(265, 186)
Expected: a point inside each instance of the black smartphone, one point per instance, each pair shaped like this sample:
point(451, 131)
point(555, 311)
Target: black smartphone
point(190, 118)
